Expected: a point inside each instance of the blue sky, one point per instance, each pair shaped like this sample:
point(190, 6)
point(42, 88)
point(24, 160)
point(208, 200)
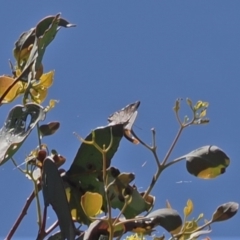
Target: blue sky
point(123, 51)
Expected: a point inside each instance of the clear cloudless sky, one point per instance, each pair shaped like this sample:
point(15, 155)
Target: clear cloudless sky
point(123, 51)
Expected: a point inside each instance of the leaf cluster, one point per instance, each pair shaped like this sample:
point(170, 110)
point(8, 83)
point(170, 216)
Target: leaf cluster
point(87, 192)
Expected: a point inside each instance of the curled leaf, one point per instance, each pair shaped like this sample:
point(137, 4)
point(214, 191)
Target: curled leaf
point(225, 212)
point(189, 208)
point(49, 129)
point(126, 116)
point(207, 162)
point(167, 218)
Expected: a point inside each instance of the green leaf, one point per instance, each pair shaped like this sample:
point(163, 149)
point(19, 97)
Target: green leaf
point(166, 218)
point(74, 199)
point(17, 128)
point(207, 162)
point(29, 38)
point(225, 212)
point(88, 161)
point(54, 194)
point(49, 129)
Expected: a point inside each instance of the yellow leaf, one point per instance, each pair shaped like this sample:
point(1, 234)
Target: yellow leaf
point(38, 94)
point(91, 203)
point(203, 113)
point(46, 80)
point(15, 91)
point(212, 172)
point(189, 208)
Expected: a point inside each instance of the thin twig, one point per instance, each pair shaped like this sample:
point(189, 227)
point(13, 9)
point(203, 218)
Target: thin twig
point(22, 214)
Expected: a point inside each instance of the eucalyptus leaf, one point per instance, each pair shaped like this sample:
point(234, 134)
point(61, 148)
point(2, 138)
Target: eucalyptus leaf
point(207, 162)
point(17, 127)
point(49, 128)
point(166, 218)
point(198, 234)
point(54, 194)
point(89, 159)
point(126, 116)
point(225, 212)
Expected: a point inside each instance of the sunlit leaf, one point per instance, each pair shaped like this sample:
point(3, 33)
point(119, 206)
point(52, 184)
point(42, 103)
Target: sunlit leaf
point(126, 116)
point(17, 127)
point(203, 113)
point(49, 129)
point(225, 212)
point(207, 162)
point(39, 90)
point(199, 233)
point(16, 90)
point(91, 203)
point(168, 205)
point(54, 194)
point(189, 208)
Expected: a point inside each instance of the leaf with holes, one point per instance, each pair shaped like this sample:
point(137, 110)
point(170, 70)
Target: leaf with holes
point(16, 128)
point(49, 128)
point(225, 212)
point(54, 194)
point(207, 162)
point(126, 116)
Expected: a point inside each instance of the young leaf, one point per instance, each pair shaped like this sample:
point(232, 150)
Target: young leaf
point(225, 212)
point(189, 208)
point(91, 203)
point(15, 129)
point(49, 129)
point(54, 194)
point(207, 162)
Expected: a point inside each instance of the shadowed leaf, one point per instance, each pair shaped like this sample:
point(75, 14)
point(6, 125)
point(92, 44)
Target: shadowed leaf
point(54, 194)
point(22, 51)
point(49, 129)
point(207, 162)
point(17, 127)
point(88, 160)
point(56, 236)
point(225, 212)
point(166, 218)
